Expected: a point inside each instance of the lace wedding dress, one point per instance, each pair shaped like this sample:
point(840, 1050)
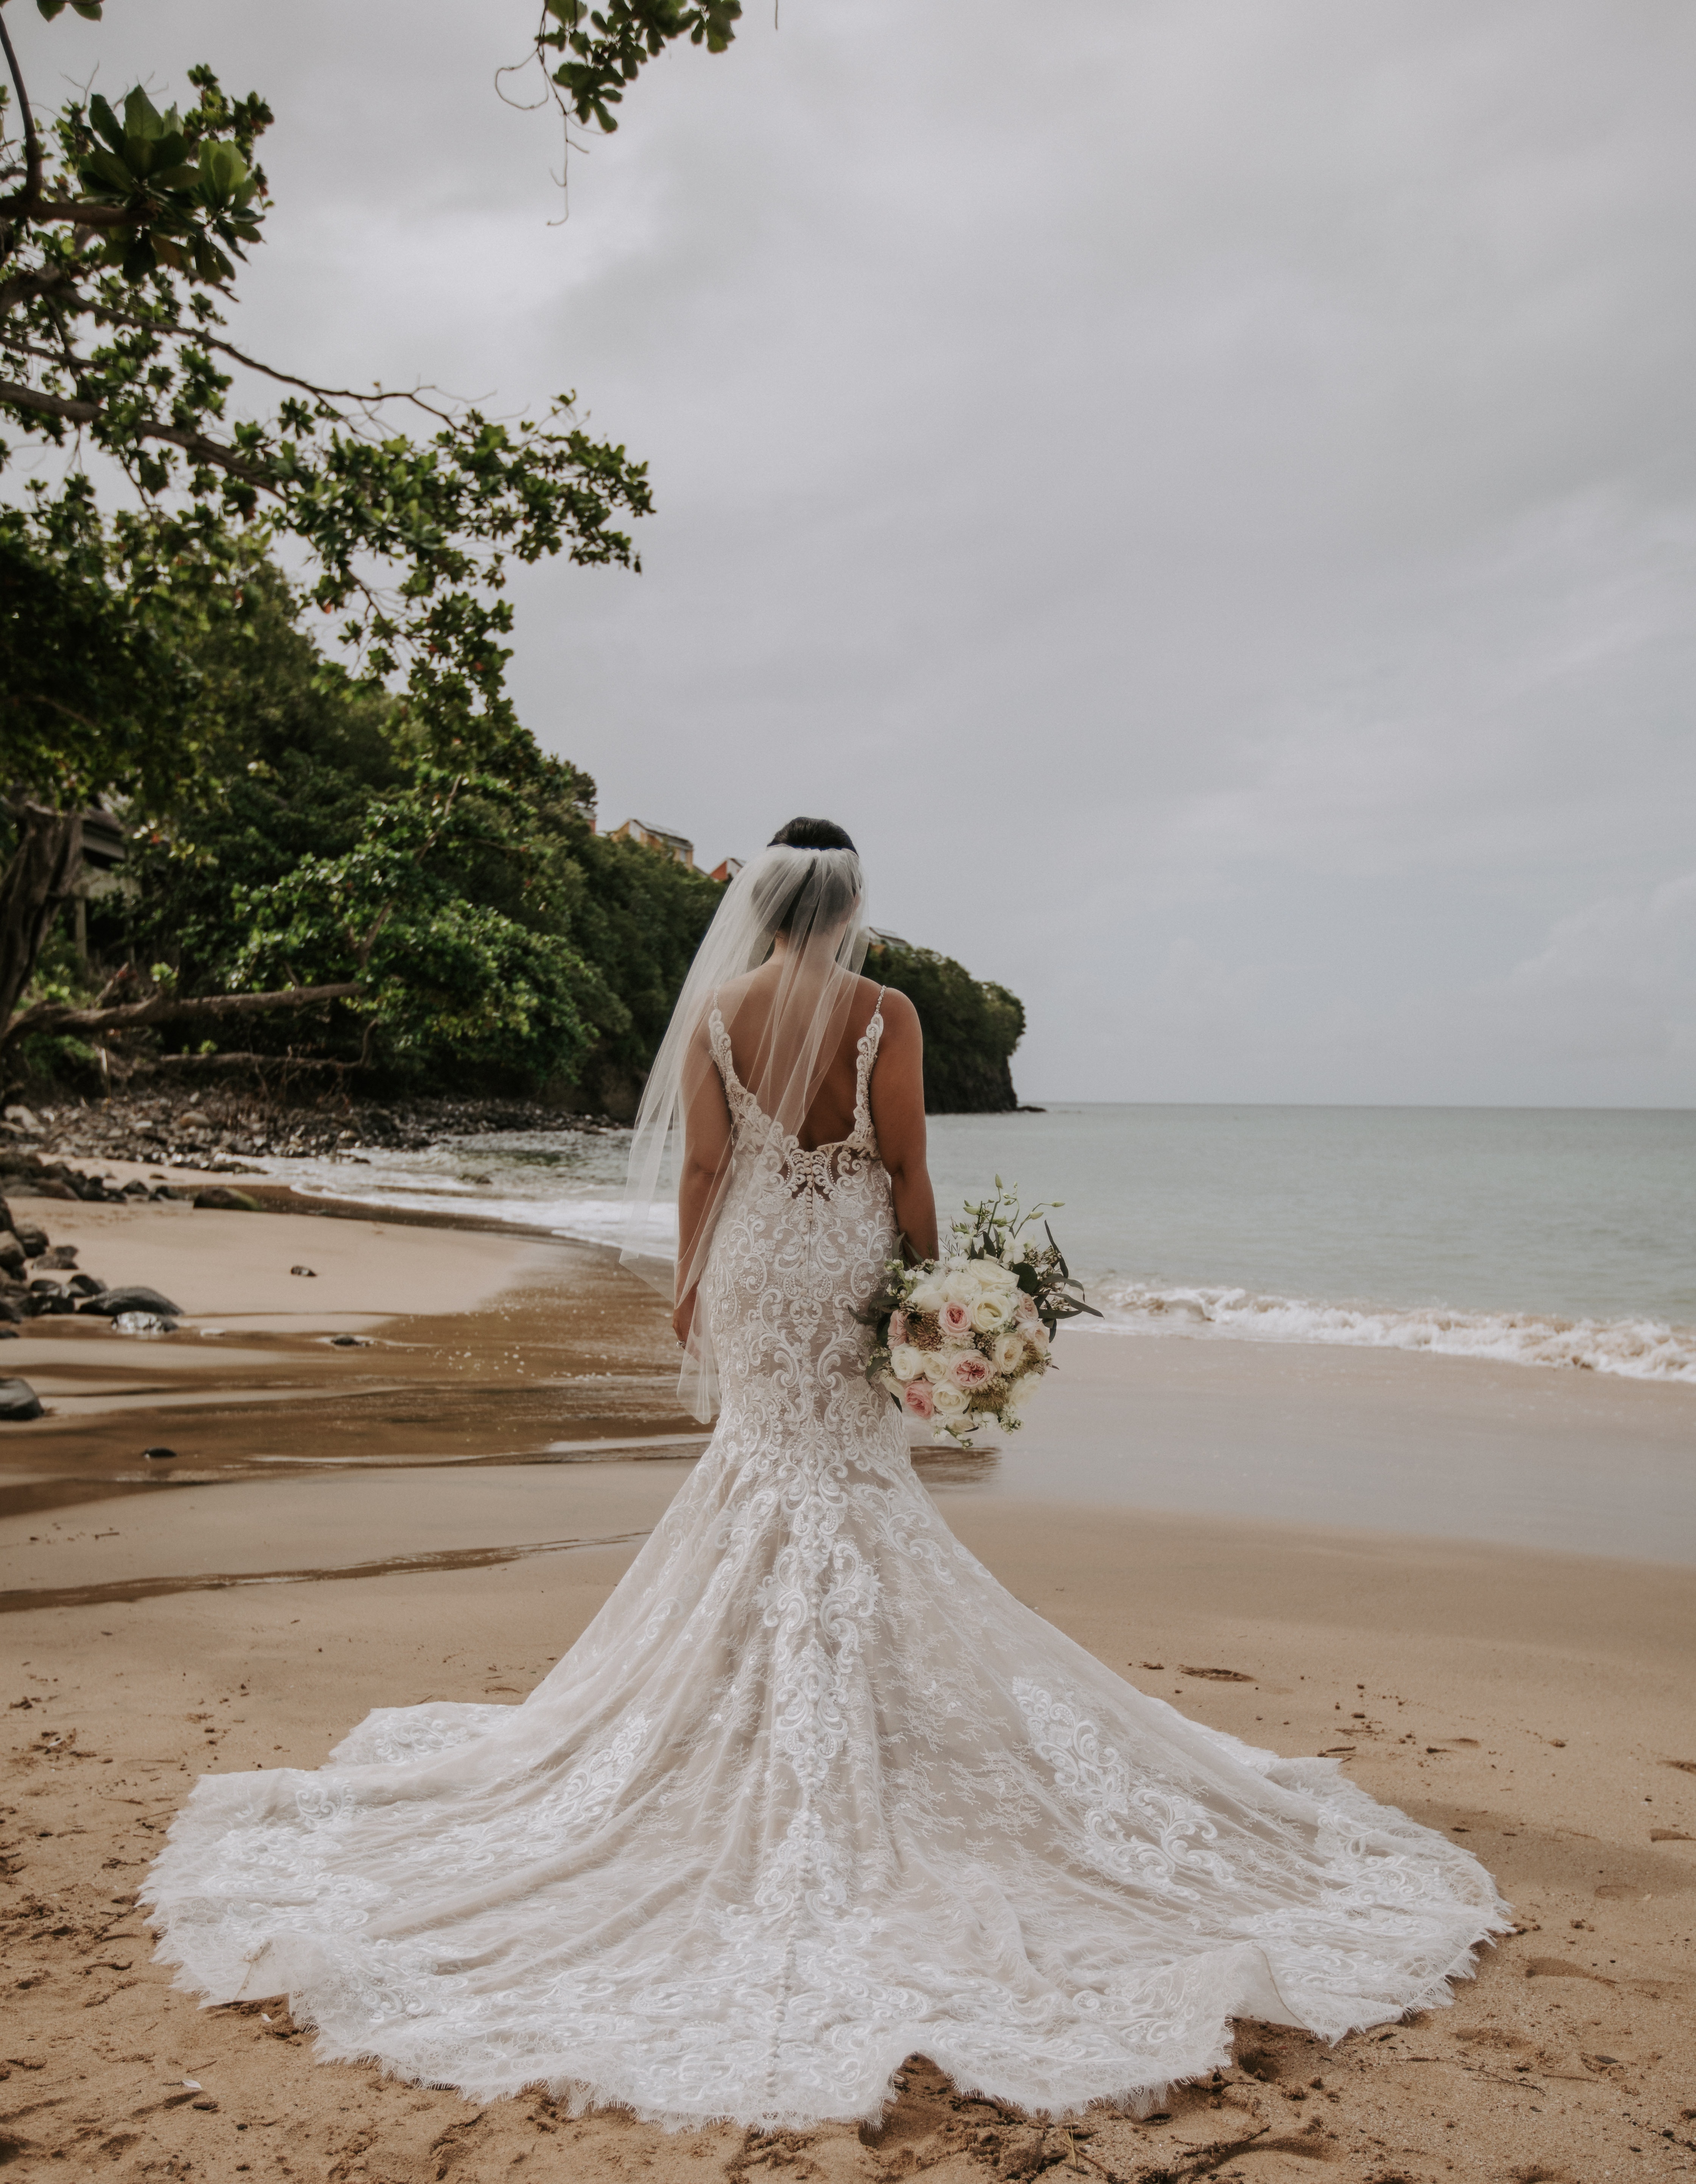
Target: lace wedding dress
point(812, 1794)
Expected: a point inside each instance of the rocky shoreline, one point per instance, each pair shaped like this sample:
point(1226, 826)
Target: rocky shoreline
point(221, 1131)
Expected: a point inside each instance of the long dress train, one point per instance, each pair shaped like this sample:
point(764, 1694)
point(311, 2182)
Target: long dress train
point(812, 1794)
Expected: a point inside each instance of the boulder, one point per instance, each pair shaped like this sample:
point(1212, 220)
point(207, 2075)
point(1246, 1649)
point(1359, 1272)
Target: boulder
point(11, 1310)
point(86, 1285)
point(12, 1253)
point(48, 1303)
point(217, 1198)
point(33, 1239)
point(134, 1297)
point(18, 1401)
point(57, 1256)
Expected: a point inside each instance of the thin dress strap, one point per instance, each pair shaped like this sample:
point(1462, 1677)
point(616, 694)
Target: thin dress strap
point(737, 1094)
point(865, 1055)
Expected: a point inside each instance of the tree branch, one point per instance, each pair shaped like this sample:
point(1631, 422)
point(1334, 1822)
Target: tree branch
point(55, 1016)
point(33, 142)
point(77, 212)
point(76, 411)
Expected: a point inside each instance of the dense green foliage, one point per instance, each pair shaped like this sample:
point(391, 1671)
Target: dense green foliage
point(970, 1029)
point(490, 929)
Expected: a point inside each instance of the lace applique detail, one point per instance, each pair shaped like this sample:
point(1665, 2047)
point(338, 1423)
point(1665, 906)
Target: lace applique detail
point(811, 1171)
point(812, 1794)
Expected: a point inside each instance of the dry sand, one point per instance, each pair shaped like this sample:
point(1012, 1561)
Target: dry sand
point(1539, 1703)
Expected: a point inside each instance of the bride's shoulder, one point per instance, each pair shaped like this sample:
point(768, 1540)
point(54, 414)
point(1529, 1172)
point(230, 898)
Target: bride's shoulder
point(898, 1013)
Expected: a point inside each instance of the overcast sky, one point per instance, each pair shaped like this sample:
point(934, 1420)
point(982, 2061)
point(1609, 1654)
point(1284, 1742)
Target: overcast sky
point(1205, 490)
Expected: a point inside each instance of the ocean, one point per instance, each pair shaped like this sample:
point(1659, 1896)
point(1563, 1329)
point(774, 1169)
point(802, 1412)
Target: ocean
point(1540, 1236)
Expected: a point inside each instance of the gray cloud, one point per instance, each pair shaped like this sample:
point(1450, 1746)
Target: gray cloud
point(1207, 495)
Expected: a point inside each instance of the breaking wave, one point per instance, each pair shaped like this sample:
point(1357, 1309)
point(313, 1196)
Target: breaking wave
point(1637, 1349)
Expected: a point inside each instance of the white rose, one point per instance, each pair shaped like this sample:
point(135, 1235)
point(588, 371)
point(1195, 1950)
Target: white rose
point(905, 1362)
point(938, 1362)
point(962, 1286)
point(988, 1314)
point(927, 1297)
point(1006, 1353)
point(950, 1402)
point(995, 1276)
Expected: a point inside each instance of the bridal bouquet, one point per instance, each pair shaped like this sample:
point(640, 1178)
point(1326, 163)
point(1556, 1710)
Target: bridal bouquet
point(962, 1340)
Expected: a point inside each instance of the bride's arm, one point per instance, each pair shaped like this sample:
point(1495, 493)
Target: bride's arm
point(706, 1160)
point(897, 1095)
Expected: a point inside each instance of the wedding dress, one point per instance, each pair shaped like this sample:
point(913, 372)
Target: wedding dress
point(811, 1795)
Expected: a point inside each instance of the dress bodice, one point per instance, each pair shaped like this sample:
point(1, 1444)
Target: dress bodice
point(801, 1242)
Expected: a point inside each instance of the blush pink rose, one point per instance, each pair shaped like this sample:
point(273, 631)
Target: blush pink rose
point(972, 1370)
point(956, 1319)
point(917, 1400)
point(897, 1328)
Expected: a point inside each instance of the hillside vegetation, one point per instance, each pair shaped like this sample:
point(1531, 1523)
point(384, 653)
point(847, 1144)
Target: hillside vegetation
point(498, 944)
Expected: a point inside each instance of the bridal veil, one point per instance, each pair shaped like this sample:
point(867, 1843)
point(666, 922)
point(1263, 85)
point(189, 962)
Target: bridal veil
point(803, 912)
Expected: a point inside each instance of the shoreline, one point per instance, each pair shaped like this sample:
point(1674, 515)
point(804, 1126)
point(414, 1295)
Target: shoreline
point(458, 1338)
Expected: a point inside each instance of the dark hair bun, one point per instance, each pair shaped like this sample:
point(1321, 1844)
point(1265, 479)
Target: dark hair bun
point(812, 834)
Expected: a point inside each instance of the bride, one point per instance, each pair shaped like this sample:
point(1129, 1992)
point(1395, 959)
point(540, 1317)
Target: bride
point(813, 1793)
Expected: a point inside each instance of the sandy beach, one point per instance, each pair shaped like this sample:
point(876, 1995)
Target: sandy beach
point(1366, 1560)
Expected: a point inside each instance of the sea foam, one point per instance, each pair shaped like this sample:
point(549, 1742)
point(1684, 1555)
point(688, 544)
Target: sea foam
point(1637, 1349)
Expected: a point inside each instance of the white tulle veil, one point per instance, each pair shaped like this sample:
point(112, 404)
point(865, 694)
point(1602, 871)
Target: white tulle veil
point(780, 960)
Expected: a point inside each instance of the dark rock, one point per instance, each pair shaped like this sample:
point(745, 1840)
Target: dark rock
point(51, 1188)
point(86, 1285)
point(45, 1285)
point(12, 1253)
point(7, 1332)
point(348, 1342)
point(60, 1255)
point(311, 1272)
point(33, 1239)
point(18, 1401)
point(134, 1188)
point(49, 1303)
point(10, 1310)
point(218, 1198)
point(160, 1454)
point(133, 1298)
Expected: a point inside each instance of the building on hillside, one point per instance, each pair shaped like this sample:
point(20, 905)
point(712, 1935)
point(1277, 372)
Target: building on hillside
point(105, 854)
point(676, 846)
point(727, 869)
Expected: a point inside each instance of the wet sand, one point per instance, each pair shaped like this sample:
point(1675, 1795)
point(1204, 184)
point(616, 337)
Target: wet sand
point(452, 1510)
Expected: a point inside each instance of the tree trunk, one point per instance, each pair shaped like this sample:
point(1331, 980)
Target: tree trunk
point(41, 876)
point(128, 1016)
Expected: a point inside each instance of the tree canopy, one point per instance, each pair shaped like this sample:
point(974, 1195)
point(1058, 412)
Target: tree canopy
point(119, 231)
